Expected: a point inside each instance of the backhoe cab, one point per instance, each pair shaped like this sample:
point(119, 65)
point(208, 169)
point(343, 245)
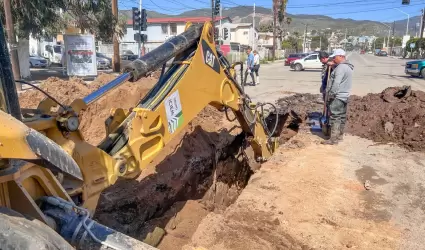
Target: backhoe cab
point(55, 177)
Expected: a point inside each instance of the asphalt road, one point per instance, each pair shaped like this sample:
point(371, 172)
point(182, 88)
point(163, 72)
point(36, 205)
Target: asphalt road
point(372, 74)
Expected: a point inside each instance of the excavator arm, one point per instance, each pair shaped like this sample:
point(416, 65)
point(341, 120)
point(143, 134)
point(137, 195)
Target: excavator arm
point(197, 78)
point(49, 172)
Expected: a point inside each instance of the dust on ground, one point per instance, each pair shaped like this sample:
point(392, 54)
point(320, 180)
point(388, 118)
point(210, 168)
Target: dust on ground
point(312, 196)
point(383, 118)
point(93, 119)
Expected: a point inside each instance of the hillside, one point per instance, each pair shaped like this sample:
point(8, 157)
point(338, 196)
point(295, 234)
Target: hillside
point(316, 22)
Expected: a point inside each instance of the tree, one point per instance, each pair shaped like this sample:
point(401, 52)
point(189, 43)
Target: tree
point(396, 41)
point(379, 43)
point(95, 17)
point(39, 18)
point(319, 42)
point(266, 27)
point(292, 42)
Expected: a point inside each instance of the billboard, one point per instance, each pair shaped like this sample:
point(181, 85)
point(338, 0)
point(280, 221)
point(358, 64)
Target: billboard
point(80, 52)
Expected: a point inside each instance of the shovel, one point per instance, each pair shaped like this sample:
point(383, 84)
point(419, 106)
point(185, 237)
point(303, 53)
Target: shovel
point(324, 119)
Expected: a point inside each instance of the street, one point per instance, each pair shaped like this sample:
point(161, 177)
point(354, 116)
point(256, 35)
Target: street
point(371, 74)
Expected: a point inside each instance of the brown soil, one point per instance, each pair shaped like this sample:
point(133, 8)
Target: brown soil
point(194, 174)
point(386, 118)
point(92, 120)
point(378, 117)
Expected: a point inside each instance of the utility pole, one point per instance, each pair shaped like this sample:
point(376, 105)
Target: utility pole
point(116, 58)
point(253, 27)
point(305, 38)
point(392, 42)
point(320, 46)
point(421, 31)
point(275, 7)
point(12, 43)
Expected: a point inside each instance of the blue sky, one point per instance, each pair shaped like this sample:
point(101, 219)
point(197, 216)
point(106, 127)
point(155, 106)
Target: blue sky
point(378, 10)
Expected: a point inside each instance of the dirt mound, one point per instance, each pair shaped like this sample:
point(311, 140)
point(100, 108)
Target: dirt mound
point(387, 118)
point(396, 115)
point(300, 105)
point(92, 119)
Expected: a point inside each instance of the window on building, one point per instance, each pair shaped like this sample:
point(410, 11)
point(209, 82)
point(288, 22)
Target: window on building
point(164, 28)
point(173, 27)
point(245, 32)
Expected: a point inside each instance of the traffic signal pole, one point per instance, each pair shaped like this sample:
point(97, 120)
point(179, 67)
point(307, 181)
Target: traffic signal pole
point(140, 29)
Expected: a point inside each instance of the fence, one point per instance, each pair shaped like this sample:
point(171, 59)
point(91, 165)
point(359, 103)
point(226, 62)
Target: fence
point(265, 54)
point(108, 49)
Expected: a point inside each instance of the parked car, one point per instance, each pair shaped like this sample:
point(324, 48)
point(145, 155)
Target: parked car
point(362, 52)
point(293, 57)
point(309, 62)
point(382, 53)
point(415, 68)
point(370, 52)
point(38, 62)
point(100, 55)
point(127, 58)
point(103, 63)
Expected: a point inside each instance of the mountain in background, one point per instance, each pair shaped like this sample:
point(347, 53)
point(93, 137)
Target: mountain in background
point(243, 14)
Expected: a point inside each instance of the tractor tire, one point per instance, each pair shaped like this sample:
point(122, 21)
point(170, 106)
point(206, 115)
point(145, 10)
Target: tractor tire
point(18, 232)
point(298, 67)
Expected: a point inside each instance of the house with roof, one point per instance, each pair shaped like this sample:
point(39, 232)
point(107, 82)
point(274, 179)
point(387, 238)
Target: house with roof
point(242, 33)
point(161, 29)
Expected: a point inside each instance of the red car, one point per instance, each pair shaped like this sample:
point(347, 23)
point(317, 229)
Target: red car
point(293, 57)
point(362, 52)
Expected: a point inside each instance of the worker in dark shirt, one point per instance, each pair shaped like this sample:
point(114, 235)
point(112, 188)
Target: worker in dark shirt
point(327, 63)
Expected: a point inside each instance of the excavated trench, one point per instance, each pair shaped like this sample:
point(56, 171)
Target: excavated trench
point(205, 173)
point(201, 171)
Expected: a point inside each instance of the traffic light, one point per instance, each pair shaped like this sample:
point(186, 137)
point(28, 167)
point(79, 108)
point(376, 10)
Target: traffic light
point(217, 7)
point(216, 33)
point(225, 33)
point(405, 2)
point(136, 18)
point(143, 38)
point(144, 20)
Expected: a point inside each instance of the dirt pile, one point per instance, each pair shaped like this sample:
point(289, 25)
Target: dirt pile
point(387, 118)
point(396, 115)
point(197, 172)
point(92, 119)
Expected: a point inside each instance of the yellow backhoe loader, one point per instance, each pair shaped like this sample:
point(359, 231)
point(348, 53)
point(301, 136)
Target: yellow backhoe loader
point(51, 179)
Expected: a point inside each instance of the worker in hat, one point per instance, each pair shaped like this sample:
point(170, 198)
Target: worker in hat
point(338, 90)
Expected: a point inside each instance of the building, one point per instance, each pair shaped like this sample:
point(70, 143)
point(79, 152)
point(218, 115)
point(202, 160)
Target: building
point(265, 39)
point(242, 33)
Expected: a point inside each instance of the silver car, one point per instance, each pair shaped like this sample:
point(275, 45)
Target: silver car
point(38, 62)
point(103, 63)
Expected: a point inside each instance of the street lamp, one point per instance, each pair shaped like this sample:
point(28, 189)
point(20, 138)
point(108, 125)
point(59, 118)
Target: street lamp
point(408, 18)
point(389, 33)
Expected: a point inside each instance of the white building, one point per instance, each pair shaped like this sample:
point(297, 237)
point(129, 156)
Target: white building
point(242, 33)
point(158, 31)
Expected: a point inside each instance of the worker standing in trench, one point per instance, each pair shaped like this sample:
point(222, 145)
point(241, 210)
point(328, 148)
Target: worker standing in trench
point(338, 90)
